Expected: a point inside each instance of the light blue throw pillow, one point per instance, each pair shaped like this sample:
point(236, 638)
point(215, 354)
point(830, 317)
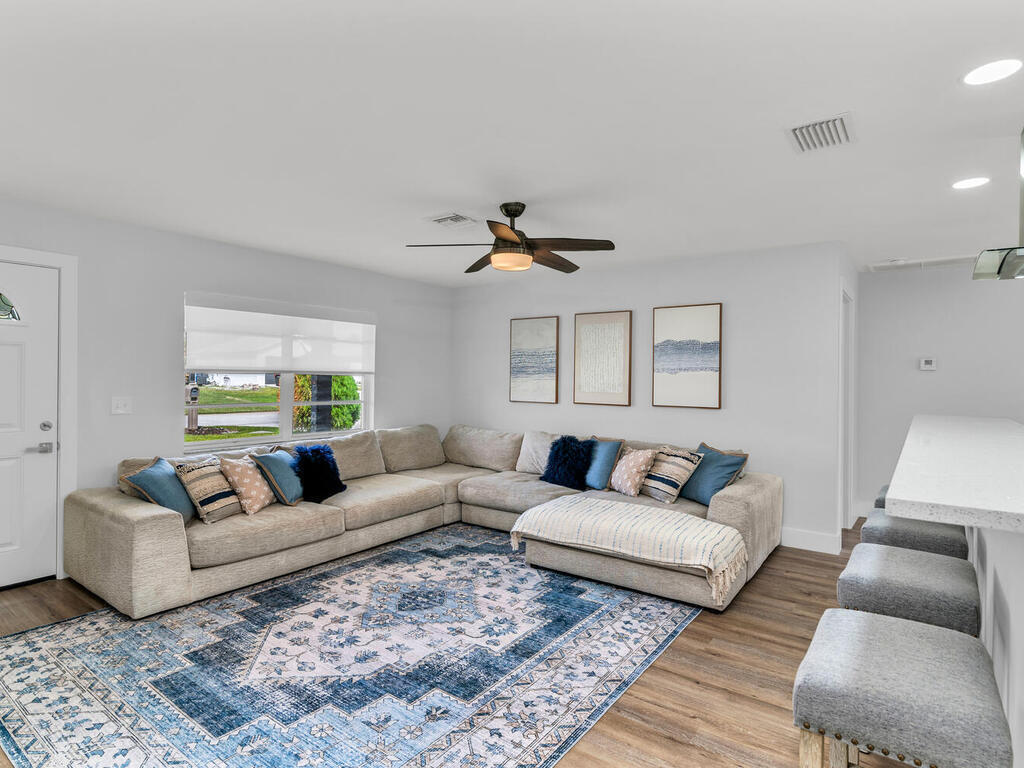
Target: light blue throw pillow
point(158, 483)
point(602, 462)
point(279, 469)
point(715, 471)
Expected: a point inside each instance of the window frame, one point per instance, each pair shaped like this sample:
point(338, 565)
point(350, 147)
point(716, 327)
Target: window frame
point(286, 431)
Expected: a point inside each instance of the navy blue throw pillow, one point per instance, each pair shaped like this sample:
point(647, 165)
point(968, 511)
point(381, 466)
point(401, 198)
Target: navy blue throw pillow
point(568, 462)
point(318, 471)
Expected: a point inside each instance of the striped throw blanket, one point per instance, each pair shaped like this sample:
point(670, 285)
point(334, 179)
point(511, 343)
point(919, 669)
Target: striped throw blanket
point(651, 534)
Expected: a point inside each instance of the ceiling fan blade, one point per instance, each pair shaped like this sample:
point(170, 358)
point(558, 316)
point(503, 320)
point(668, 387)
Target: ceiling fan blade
point(553, 260)
point(479, 264)
point(503, 231)
point(447, 245)
point(570, 244)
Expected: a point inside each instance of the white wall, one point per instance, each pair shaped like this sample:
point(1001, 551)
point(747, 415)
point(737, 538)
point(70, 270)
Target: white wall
point(780, 364)
point(132, 283)
point(973, 329)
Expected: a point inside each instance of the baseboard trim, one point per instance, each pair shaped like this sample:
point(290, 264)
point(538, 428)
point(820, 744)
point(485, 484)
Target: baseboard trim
point(816, 541)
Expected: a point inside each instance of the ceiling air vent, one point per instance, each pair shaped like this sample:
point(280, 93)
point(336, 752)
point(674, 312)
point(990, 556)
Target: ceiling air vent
point(823, 133)
point(453, 220)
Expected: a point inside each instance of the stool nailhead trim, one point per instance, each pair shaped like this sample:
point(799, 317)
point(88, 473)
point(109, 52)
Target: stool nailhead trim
point(838, 737)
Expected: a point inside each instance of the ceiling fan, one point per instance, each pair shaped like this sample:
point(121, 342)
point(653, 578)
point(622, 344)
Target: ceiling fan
point(513, 251)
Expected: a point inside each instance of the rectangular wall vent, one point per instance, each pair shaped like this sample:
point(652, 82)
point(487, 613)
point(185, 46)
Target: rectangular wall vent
point(822, 134)
point(453, 220)
point(942, 261)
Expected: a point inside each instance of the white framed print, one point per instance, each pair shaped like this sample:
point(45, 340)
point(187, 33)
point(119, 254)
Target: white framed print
point(533, 360)
point(602, 358)
point(687, 356)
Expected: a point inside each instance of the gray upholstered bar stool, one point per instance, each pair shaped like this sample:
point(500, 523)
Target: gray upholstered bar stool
point(910, 584)
point(940, 538)
point(923, 695)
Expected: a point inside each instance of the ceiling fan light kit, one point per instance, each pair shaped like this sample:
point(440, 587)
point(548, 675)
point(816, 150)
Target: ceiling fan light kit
point(513, 251)
point(511, 258)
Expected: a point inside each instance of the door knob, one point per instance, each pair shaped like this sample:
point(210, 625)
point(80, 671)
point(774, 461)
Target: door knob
point(42, 448)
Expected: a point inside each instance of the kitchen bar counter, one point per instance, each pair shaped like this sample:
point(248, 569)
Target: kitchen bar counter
point(968, 471)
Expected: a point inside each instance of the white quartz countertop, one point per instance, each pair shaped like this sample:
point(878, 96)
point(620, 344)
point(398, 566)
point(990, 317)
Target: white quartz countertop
point(968, 471)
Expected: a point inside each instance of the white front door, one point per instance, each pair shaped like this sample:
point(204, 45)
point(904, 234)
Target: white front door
point(28, 422)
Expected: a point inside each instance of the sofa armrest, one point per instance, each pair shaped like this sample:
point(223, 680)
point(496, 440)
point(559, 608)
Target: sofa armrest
point(128, 551)
point(753, 506)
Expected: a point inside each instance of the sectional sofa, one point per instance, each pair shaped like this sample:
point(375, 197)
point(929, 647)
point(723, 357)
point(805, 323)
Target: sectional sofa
point(142, 558)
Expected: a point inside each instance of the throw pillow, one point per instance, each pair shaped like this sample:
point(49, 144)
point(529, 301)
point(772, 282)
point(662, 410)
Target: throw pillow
point(631, 470)
point(279, 470)
point(247, 481)
point(158, 483)
point(568, 461)
point(209, 489)
point(533, 455)
point(602, 462)
point(669, 473)
point(715, 471)
point(318, 472)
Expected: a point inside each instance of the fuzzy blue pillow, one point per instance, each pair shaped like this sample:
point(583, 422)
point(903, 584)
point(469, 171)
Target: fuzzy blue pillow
point(568, 462)
point(318, 471)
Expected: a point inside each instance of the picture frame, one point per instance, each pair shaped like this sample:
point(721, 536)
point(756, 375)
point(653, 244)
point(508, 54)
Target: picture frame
point(686, 356)
point(533, 359)
point(603, 358)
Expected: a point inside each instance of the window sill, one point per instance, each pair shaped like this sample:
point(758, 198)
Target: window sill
point(216, 446)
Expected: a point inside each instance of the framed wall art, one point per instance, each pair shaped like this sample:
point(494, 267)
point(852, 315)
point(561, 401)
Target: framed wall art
point(688, 356)
point(602, 358)
point(533, 360)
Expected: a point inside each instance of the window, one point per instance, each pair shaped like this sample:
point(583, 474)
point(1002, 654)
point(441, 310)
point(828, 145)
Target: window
point(253, 376)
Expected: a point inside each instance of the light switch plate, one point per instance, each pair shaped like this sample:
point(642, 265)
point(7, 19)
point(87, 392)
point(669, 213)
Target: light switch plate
point(926, 363)
point(121, 406)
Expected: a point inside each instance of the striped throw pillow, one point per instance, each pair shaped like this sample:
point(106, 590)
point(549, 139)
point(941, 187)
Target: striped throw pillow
point(209, 490)
point(668, 474)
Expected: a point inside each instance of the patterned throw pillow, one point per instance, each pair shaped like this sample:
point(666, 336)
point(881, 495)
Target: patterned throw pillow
point(631, 470)
point(254, 493)
point(668, 474)
point(209, 490)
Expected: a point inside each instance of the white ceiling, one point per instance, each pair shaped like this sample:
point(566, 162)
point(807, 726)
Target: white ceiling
point(333, 129)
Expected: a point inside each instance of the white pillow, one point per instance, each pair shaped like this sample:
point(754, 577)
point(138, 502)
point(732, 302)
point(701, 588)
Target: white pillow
point(533, 456)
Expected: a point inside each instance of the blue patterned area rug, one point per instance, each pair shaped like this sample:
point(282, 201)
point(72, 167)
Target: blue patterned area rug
point(444, 649)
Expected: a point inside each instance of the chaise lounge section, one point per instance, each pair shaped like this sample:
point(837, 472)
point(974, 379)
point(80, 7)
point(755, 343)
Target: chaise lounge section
point(142, 558)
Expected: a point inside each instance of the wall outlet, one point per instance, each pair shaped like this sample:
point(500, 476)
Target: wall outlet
point(926, 363)
point(121, 406)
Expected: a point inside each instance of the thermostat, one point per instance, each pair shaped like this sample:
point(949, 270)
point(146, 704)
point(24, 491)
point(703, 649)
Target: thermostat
point(926, 363)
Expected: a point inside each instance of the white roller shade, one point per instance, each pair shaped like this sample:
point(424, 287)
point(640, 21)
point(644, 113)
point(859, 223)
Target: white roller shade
point(234, 341)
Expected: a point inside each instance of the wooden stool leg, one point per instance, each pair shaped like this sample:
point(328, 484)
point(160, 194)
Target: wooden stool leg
point(812, 750)
point(838, 754)
point(854, 755)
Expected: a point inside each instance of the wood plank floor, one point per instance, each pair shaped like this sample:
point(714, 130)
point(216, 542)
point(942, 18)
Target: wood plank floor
point(718, 696)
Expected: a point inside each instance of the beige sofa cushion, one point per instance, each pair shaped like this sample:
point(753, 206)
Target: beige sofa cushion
point(374, 499)
point(533, 457)
point(509, 491)
point(272, 529)
point(487, 448)
point(358, 455)
point(683, 505)
point(448, 476)
point(410, 447)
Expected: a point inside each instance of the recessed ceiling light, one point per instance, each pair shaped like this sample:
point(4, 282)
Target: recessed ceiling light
point(977, 181)
point(995, 70)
